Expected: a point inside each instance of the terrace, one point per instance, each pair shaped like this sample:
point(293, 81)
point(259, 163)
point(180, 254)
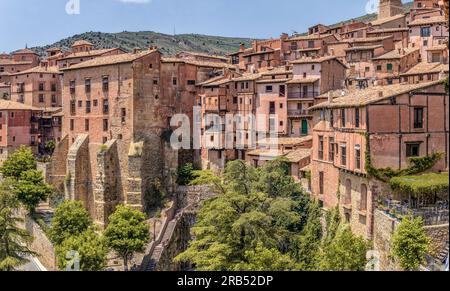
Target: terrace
point(425, 196)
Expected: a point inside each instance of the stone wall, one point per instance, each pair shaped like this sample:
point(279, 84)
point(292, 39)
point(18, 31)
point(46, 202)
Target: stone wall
point(385, 227)
point(41, 245)
point(58, 166)
point(107, 187)
point(383, 231)
point(439, 235)
point(78, 181)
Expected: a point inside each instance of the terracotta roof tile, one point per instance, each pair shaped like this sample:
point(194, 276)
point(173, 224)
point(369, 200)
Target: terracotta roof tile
point(11, 105)
point(373, 94)
point(91, 53)
point(40, 70)
point(426, 68)
point(387, 19)
point(303, 80)
point(395, 54)
point(425, 21)
point(110, 60)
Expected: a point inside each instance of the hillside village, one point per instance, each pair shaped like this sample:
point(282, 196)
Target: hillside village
point(357, 110)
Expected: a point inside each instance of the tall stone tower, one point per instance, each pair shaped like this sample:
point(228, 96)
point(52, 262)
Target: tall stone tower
point(390, 8)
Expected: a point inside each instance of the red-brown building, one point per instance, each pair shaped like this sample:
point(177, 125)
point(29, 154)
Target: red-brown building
point(350, 126)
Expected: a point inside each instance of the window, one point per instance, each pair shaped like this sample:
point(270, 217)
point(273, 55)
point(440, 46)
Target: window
point(41, 86)
point(191, 82)
point(88, 106)
point(331, 118)
point(379, 67)
point(105, 106)
point(412, 150)
point(80, 103)
point(105, 125)
point(72, 124)
point(269, 88)
point(343, 119)
point(87, 85)
point(425, 32)
point(72, 87)
point(53, 87)
point(389, 67)
point(367, 69)
point(358, 157)
point(123, 115)
point(348, 193)
point(54, 99)
point(418, 118)
point(105, 83)
point(86, 124)
point(282, 90)
point(41, 98)
point(357, 118)
point(235, 100)
point(72, 107)
point(320, 148)
point(363, 201)
point(95, 103)
point(331, 149)
point(321, 183)
point(174, 81)
point(344, 155)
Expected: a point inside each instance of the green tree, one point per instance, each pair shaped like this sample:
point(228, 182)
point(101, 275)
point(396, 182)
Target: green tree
point(346, 252)
point(244, 228)
point(127, 233)
point(262, 259)
point(185, 174)
point(22, 160)
point(70, 219)
point(13, 240)
point(309, 243)
point(91, 248)
point(31, 189)
point(410, 243)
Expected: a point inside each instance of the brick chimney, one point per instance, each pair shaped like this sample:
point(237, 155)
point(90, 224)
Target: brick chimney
point(330, 97)
point(136, 50)
point(241, 47)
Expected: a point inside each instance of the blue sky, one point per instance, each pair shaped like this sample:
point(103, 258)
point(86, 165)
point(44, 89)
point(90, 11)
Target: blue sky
point(41, 22)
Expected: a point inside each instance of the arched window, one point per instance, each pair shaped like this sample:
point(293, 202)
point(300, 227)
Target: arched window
point(348, 192)
point(363, 202)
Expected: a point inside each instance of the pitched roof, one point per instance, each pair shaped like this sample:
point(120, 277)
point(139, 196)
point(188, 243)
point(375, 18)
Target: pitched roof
point(205, 55)
point(6, 62)
point(426, 68)
point(395, 54)
point(110, 60)
point(303, 80)
point(357, 98)
point(217, 81)
point(247, 77)
point(40, 70)
point(81, 42)
point(387, 19)
point(297, 155)
point(24, 51)
point(430, 20)
point(363, 48)
point(219, 65)
point(384, 30)
point(441, 47)
point(310, 37)
point(311, 60)
point(269, 81)
point(286, 141)
point(91, 53)
point(11, 105)
point(276, 71)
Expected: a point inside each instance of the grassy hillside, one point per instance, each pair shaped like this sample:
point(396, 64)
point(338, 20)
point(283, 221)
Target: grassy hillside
point(169, 44)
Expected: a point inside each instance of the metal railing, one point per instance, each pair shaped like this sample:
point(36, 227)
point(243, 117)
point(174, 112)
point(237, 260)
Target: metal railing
point(299, 95)
point(299, 112)
point(432, 215)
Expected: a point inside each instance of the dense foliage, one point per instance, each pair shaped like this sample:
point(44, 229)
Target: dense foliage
point(428, 184)
point(13, 239)
point(410, 244)
point(262, 220)
point(185, 174)
point(70, 219)
point(127, 232)
point(91, 248)
point(31, 189)
point(22, 160)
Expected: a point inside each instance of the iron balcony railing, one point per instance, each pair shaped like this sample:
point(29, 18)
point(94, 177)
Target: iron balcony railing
point(300, 95)
point(432, 215)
